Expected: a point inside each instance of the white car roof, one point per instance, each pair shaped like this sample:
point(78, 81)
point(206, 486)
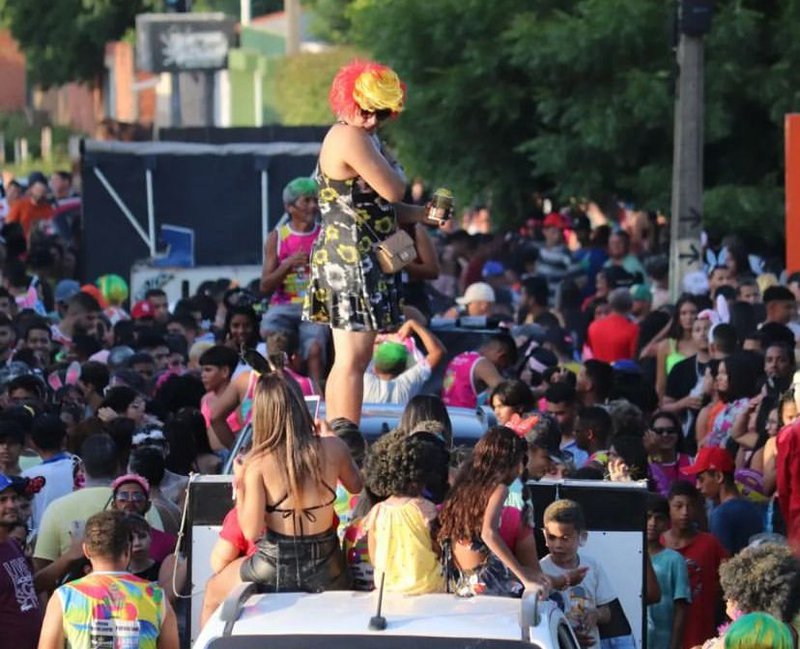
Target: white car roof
point(349, 613)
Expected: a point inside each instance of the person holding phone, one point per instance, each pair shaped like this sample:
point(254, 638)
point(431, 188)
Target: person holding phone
point(360, 189)
point(287, 481)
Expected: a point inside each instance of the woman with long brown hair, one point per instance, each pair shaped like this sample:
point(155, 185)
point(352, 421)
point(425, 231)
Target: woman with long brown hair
point(479, 556)
point(288, 481)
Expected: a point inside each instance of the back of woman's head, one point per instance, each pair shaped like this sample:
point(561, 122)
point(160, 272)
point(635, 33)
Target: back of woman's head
point(631, 450)
point(426, 407)
point(119, 398)
point(497, 453)
point(181, 435)
point(744, 371)
point(758, 631)
point(764, 578)
point(495, 457)
point(148, 462)
point(282, 426)
point(411, 466)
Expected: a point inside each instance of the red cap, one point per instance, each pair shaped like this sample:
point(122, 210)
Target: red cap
point(554, 220)
point(142, 309)
point(711, 458)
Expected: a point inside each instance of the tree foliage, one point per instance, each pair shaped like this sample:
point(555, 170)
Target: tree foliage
point(576, 97)
point(302, 83)
point(64, 40)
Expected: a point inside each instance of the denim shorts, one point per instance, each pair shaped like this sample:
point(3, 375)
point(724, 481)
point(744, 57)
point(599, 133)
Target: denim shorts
point(287, 317)
point(306, 564)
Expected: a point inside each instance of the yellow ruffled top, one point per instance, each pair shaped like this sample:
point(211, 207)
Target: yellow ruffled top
point(403, 548)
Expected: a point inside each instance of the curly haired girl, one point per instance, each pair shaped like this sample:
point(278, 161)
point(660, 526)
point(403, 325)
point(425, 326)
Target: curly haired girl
point(478, 556)
point(401, 548)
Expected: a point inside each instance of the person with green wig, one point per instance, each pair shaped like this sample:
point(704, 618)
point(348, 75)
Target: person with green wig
point(115, 291)
point(285, 273)
point(759, 631)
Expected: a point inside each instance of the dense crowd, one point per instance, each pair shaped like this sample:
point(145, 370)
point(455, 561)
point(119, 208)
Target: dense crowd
point(589, 369)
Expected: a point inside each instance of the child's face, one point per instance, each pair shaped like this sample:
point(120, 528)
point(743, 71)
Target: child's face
point(25, 508)
point(212, 377)
point(140, 543)
point(562, 540)
point(502, 411)
point(708, 484)
point(20, 533)
point(539, 464)
point(657, 524)
point(681, 512)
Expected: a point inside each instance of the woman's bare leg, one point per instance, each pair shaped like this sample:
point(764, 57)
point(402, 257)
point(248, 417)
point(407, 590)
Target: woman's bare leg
point(344, 390)
point(219, 587)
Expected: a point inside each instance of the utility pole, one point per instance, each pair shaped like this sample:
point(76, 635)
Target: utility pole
point(686, 220)
point(293, 13)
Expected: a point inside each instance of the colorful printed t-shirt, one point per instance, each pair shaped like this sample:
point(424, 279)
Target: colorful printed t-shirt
point(114, 609)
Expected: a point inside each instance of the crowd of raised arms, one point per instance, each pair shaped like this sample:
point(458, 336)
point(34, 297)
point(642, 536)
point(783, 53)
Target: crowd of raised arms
point(559, 325)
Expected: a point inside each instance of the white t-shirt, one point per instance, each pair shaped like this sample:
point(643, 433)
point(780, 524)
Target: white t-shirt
point(398, 390)
point(594, 591)
point(60, 480)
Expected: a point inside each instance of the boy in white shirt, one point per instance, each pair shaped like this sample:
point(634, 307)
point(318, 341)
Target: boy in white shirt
point(587, 603)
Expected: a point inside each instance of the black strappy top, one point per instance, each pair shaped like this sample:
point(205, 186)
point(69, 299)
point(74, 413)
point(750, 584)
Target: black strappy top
point(306, 512)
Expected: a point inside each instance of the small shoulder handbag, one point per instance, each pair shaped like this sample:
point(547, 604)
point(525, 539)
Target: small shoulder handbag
point(395, 252)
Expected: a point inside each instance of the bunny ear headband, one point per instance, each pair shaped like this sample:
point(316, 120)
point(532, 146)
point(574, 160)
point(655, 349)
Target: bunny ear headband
point(71, 377)
point(262, 365)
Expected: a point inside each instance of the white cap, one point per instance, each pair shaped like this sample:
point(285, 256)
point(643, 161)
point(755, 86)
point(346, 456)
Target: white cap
point(477, 292)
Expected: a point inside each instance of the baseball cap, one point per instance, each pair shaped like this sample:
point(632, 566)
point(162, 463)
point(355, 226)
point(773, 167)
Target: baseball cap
point(711, 458)
point(9, 482)
point(627, 366)
point(66, 289)
point(493, 269)
point(618, 277)
point(131, 477)
point(641, 293)
point(142, 309)
point(477, 292)
point(546, 435)
point(389, 355)
point(554, 220)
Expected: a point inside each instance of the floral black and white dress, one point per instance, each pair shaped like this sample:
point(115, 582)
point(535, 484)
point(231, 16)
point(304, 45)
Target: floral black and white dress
point(347, 289)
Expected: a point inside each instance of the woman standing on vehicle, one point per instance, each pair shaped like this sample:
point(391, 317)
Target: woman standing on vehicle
point(360, 188)
point(288, 481)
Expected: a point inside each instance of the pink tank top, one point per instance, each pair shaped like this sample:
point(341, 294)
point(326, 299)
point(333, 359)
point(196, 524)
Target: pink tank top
point(293, 289)
point(458, 388)
point(233, 419)
point(305, 383)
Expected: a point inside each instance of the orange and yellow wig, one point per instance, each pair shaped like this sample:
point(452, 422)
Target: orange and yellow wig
point(366, 86)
